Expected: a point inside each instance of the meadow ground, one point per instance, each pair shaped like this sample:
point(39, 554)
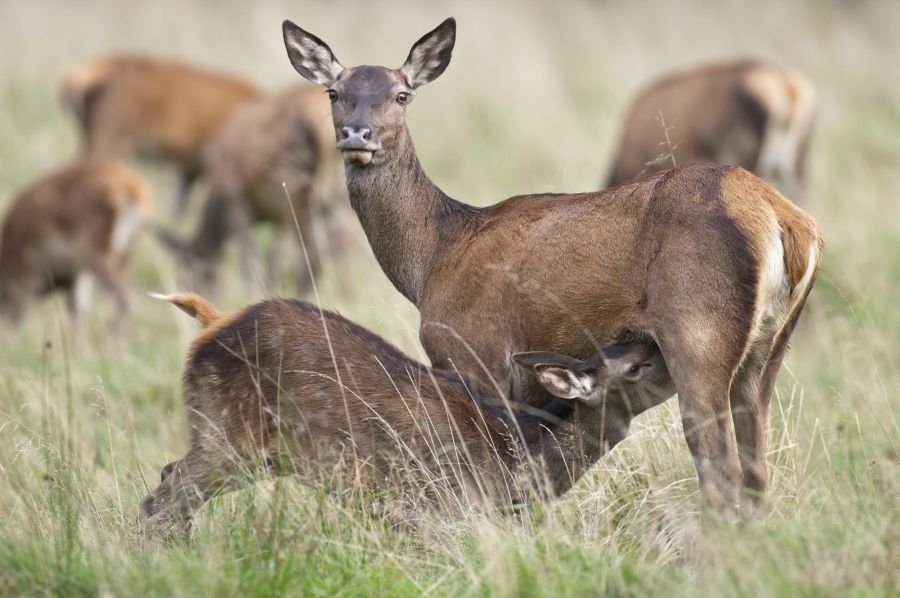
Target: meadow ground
point(530, 103)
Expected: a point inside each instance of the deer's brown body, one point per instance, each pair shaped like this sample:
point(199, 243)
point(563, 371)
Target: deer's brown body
point(77, 224)
point(283, 378)
point(749, 114)
point(152, 109)
point(710, 261)
point(271, 149)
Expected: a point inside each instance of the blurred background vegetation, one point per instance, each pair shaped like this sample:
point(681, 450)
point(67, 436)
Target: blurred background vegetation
point(532, 101)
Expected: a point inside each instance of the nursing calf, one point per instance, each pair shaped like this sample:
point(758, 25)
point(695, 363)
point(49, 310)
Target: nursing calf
point(283, 382)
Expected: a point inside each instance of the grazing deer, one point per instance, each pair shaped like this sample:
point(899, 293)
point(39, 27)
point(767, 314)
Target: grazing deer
point(269, 146)
point(74, 226)
point(749, 114)
point(153, 109)
point(710, 261)
point(284, 380)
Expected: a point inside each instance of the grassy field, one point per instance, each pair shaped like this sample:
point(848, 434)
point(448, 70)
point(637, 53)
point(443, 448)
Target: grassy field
point(530, 103)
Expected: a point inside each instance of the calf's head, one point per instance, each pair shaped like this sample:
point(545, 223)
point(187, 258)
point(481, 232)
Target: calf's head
point(630, 376)
point(368, 103)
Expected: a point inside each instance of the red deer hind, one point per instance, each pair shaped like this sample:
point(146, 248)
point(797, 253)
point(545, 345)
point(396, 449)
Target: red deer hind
point(710, 261)
point(272, 148)
point(749, 114)
point(153, 109)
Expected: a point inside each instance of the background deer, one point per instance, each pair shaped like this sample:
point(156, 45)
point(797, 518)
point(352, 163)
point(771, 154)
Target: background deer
point(709, 261)
point(153, 109)
point(74, 226)
point(283, 378)
point(749, 114)
point(270, 146)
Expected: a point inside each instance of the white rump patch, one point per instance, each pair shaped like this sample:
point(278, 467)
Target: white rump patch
point(799, 290)
point(790, 105)
point(128, 222)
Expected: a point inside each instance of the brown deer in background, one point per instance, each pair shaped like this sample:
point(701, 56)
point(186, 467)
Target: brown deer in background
point(710, 261)
point(152, 109)
point(63, 232)
point(749, 114)
point(270, 146)
point(285, 380)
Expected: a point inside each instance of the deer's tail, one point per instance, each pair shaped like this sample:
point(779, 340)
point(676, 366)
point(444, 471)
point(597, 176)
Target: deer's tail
point(194, 305)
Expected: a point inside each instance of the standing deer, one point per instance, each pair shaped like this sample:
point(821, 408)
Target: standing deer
point(269, 148)
point(61, 233)
point(710, 261)
point(749, 114)
point(153, 109)
point(284, 380)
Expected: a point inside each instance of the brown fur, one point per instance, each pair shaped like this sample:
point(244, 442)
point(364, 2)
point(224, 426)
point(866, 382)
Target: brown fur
point(284, 379)
point(64, 227)
point(151, 108)
point(688, 257)
point(723, 113)
point(271, 146)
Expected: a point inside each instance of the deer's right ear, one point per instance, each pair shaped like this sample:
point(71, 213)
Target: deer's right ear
point(311, 57)
point(558, 374)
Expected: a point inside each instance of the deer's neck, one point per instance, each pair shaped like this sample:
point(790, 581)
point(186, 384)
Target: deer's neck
point(407, 219)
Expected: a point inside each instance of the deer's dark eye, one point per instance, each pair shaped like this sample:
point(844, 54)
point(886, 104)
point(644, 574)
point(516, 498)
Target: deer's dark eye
point(635, 371)
point(332, 95)
point(404, 97)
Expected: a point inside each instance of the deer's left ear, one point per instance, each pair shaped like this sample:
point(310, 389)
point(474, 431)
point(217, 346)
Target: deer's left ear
point(560, 375)
point(430, 56)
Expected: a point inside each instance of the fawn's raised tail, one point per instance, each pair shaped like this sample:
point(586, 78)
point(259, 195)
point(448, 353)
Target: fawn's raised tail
point(194, 305)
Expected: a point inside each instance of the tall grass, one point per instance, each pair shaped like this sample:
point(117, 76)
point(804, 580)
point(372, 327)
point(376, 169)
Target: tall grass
point(531, 102)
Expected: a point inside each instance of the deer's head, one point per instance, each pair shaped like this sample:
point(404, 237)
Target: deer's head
point(634, 375)
point(368, 103)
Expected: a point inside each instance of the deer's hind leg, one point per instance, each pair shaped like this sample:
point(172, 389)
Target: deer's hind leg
point(749, 414)
point(702, 376)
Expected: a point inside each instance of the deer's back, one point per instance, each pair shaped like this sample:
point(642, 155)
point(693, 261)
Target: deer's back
point(165, 109)
point(271, 372)
point(573, 273)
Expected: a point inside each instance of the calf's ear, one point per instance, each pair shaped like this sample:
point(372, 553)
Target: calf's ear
point(560, 375)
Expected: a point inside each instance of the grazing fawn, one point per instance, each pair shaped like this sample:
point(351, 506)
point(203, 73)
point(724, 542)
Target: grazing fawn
point(75, 226)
